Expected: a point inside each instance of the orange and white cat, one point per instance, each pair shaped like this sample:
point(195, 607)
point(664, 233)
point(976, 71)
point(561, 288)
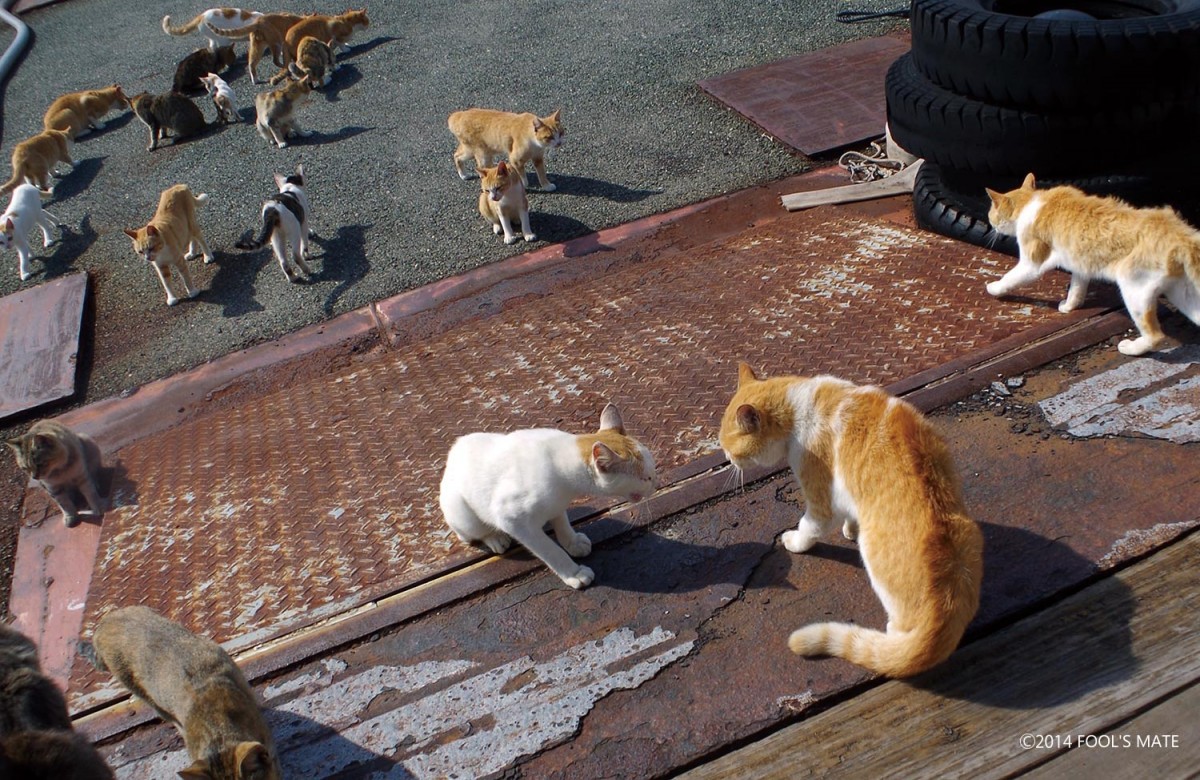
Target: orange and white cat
point(500, 487)
point(336, 30)
point(1148, 252)
point(211, 23)
point(871, 462)
point(172, 238)
point(266, 33)
point(486, 135)
point(77, 112)
point(503, 202)
point(34, 159)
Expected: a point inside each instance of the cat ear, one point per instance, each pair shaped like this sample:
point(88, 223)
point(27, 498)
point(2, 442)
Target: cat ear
point(603, 457)
point(151, 230)
point(1029, 183)
point(252, 759)
point(993, 195)
point(538, 124)
point(8, 225)
point(554, 116)
point(746, 374)
point(197, 771)
point(300, 170)
point(131, 233)
point(610, 420)
point(14, 443)
point(748, 419)
point(502, 168)
point(280, 180)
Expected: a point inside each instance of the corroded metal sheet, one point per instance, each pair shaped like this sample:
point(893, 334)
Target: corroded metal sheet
point(39, 341)
point(267, 516)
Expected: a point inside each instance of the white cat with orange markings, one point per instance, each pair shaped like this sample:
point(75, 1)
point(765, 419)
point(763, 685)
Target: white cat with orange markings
point(212, 22)
point(871, 462)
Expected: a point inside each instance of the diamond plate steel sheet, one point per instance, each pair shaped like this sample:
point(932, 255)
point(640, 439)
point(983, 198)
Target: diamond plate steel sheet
point(259, 519)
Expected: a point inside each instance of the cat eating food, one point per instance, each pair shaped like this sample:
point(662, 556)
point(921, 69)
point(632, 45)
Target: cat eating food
point(276, 112)
point(63, 463)
point(171, 113)
point(500, 487)
point(872, 462)
point(23, 214)
point(77, 112)
point(34, 159)
point(222, 97)
point(285, 224)
point(1148, 252)
point(486, 135)
point(503, 201)
point(314, 63)
point(189, 74)
point(172, 238)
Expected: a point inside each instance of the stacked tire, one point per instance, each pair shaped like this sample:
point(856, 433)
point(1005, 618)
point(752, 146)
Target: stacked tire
point(1103, 94)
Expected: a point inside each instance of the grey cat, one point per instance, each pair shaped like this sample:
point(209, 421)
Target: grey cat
point(61, 462)
point(171, 113)
point(200, 62)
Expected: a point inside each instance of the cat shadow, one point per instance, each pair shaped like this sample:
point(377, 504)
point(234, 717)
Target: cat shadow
point(344, 77)
point(317, 137)
point(77, 180)
point(554, 228)
point(366, 46)
point(110, 124)
point(233, 285)
point(70, 246)
point(583, 186)
point(305, 744)
point(1024, 570)
point(344, 260)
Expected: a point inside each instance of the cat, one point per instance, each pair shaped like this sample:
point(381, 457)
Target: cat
point(314, 63)
point(171, 238)
point(222, 97)
point(1148, 252)
point(503, 201)
point(29, 700)
point(171, 113)
point(266, 32)
point(194, 684)
point(77, 112)
point(51, 755)
point(285, 223)
point(34, 159)
point(191, 70)
point(61, 462)
point(500, 487)
point(276, 112)
point(24, 213)
point(484, 134)
point(873, 462)
point(211, 23)
point(335, 29)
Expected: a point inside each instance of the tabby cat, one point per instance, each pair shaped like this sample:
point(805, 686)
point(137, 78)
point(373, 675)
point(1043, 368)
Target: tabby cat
point(29, 700)
point(77, 112)
point(486, 135)
point(50, 755)
point(171, 113)
point(873, 463)
point(62, 462)
point(314, 63)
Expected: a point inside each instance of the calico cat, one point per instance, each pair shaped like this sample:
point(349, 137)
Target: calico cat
point(24, 213)
point(285, 223)
point(485, 135)
point(276, 112)
point(1148, 252)
point(266, 33)
point(34, 159)
point(503, 201)
point(335, 29)
point(191, 682)
point(873, 463)
point(171, 113)
point(77, 112)
point(191, 70)
point(211, 23)
point(172, 238)
point(500, 487)
point(29, 700)
point(51, 755)
point(314, 63)
point(222, 97)
point(61, 462)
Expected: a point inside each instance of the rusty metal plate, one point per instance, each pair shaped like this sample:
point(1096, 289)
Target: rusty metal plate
point(39, 341)
point(265, 517)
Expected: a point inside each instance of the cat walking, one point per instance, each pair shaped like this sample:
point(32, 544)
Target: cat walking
point(871, 462)
point(35, 158)
point(500, 487)
point(171, 238)
point(75, 113)
point(1148, 252)
point(63, 463)
point(211, 23)
point(502, 201)
point(285, 224)
point(23, 214)
point(486, 135)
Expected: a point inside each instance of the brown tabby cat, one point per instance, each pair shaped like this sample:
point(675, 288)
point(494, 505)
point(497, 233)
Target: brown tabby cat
point(171, 113)
point(172, 238)
point(50, 755)
point(77, 112)
point(1147, 252)
point(29, 700)
point(34, 159)
point(61, 462)
point(873, 463)
point(314, 63)
point(266, 33)
point(335, 29)
point(192, 68)
point(485, 135)
point(503, 201)
point(191, 682)
point(276, 112)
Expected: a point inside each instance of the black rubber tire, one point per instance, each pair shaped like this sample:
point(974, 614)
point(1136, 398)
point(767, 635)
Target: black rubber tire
point(957, 214)
point(942, 127)
point(996, 52)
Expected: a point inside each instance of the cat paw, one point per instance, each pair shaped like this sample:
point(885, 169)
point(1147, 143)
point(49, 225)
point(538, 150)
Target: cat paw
point(70, 521)
point(579, 547)
point(583, 577)
point(797, 542)
point(530, 237)
point(25, 276)
point(549, 187)
point(498, 543)
point(995, 289)
point(208, 259)
point(510, 239)
point(283, 144)
point(1066, 307)
point(172, 300)
point(850, 530)
point(496, 229)
point(1135, 347)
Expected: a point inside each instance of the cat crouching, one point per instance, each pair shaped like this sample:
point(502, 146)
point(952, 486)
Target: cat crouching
point(63, 463)
point(500, 487)
point(276, 112)
point(872, 463)
point(75, 113)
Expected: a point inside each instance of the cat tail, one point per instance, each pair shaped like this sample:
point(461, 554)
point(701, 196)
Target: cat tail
point(893, 654)
point(183, 29)
point(12, 183)
point(270, 219)
point(88, 651)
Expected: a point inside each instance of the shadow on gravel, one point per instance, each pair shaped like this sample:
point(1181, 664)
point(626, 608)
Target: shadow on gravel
point(344, 77)
point(318, 137)
point(75, 182)
point(554, 228)
point(233, 286)
point(586, 187)
point(344, 261)
point(366, 46)
point(71, 245)
point(110, 123)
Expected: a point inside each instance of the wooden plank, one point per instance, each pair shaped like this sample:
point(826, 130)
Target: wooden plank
point(39, 341)
point(1077, 668)
point(896, 184)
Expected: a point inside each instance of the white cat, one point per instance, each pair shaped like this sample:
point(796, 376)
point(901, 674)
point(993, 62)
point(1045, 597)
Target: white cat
point(222, 96)
point(23, 214)
point(500, 487)
point(285, 223)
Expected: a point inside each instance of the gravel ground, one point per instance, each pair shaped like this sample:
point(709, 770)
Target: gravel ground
point(391, 214)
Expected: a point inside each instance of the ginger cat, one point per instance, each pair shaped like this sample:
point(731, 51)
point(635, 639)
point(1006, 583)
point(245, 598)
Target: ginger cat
point(337, 30)
point(77, 112)
point(34, 159)
point(500, 487)
point(873, 463)
point(314, 63)
point(172, 238)
point(503, 201)
point(266, 33)
point(485, 135)
point(194, 684)
point(63, 463)
point(211, 23)
point(1148, 252)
